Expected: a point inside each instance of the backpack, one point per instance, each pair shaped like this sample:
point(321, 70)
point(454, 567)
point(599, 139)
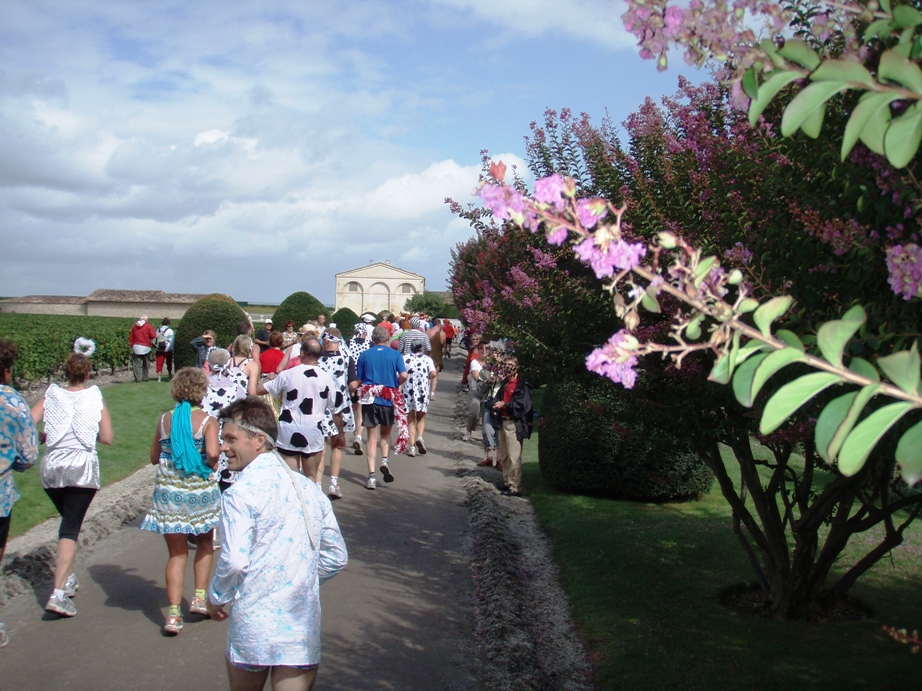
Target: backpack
point(160, 341)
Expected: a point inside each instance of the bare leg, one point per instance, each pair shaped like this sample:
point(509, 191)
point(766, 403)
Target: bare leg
point(420, 423)
point(411, 426)
point(385, 440)
point(371, 446)
point(312, 464)
point(336, 461)
point(176, 566)
point(63, 561)
point(318, 476)
point(204, 553)
point(242, 680)
point(293, 679)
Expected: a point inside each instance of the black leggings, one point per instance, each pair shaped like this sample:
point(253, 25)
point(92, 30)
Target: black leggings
point(72, 503)
point(4, 530)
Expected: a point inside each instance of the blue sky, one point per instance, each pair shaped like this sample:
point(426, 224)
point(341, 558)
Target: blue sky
point(256, 149)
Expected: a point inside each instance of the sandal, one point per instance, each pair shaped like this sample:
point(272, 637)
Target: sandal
point(173, 624)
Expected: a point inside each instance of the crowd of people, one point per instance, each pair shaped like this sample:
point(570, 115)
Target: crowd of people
point(242, 455)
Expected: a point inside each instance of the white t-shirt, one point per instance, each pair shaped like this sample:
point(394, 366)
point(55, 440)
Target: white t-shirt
point(473, 377)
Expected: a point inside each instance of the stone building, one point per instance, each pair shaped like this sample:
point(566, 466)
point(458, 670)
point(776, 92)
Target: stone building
point(377, 287)
point(106, 303)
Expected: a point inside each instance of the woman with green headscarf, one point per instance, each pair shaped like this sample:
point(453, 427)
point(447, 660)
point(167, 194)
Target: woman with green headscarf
point(187, 500)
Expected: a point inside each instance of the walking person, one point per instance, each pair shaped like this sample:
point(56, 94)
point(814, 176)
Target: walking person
point(281, 542)
point(226, 384)
point(203, 345)
point(18, 446)
point(381, 371)
point(140, 339)
point(308, 395)
point(341, 367)
point(186, 496)
point(417, 392)
point(75, 418)
point(358, 344)
point(164, 342)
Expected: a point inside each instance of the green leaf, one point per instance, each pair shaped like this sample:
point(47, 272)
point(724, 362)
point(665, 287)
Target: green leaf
point(885, 6)
point(875, 28)
point(751, 348)
point(748, 305)
point(832, 336)
point(896, 68)
point(704, 268)
point(649, 303)
point(790, 397)
point(843, 71)
point(772, 364)
point(865, 436)
point(829, 421)
point(751, 83)
point(813, 125)
point(902, 368)
point(693, 330)
point(742, 379)
point(901, 142)
point(799, 52)
point(770, 311)
point(864, 368)
point(790, 338)
point(771, 50)
point(805, 105)
point(776, 81)
point(905, 16)
point(872, 108)
point(720, 372)
point(909, 454)
point(875, 129)
point(862, 397)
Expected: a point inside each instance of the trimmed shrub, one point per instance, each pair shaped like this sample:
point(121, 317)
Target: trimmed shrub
point(216, 312)
point(345, 319)
point(300, 307)
point(595, 440)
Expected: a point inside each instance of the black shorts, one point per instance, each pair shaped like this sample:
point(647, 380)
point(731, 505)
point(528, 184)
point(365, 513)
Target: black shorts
point(375, 415)
point(72, 503)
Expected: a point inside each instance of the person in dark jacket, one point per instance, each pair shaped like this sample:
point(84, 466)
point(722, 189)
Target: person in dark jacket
point(513, 408)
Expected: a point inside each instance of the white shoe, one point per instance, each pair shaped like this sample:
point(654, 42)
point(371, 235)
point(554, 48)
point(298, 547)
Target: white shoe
point(466, 436)
point(371, 483)
point(411, 451)
point(335, 492)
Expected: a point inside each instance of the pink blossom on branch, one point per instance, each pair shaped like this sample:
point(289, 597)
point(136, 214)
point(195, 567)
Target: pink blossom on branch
point(616, 359)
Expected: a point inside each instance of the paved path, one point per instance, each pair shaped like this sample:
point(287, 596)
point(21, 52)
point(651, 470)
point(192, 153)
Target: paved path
point(399, 617)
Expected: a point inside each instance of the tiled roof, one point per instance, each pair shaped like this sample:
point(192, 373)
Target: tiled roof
point(104, 295)
point(48, 299)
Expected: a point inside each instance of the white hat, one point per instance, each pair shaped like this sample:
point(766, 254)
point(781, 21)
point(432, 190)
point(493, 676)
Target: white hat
point(368, 318)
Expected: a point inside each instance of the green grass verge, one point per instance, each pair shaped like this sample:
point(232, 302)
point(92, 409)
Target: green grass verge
point(644, 582)
point(135, 409)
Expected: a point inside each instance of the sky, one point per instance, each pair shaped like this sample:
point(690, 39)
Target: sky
point(258, 148)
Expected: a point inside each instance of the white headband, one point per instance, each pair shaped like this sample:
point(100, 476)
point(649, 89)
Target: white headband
point(253, 429)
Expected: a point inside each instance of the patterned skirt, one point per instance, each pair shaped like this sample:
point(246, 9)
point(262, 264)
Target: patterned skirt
point(183, 503)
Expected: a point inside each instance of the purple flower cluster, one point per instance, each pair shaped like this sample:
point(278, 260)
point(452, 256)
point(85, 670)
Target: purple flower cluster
point(619, 255)
point(905, 265)
point(550, 190)
point(739, 254)
point(591, 211)
point(506, 203)
point(615, 359)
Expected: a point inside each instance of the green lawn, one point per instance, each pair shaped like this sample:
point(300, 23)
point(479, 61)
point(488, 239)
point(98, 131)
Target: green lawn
point(644, 582)
point(135, 409)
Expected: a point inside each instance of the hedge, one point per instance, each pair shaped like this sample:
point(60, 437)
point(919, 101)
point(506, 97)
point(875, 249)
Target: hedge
point(46, 340)
point(595, 440)
point(300, 307)
point(345, 320)
point(216, 312)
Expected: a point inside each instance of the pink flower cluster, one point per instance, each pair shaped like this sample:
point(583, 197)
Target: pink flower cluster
point(616, 359)
point(905, 265)
point(618, 255)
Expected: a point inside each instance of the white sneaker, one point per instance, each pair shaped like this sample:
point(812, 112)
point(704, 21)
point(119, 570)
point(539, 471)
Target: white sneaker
point(371, 483)
point(335, 492)
point(411, 451)
point(466, 436)
point(357, 446)
point(71, 585)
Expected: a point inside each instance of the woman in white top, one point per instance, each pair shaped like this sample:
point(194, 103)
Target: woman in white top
point(75, 418)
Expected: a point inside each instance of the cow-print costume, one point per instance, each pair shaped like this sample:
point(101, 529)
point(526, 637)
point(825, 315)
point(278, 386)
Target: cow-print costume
point(308, 394)
point(342, 368)
point(225, 386)
point(416, 391)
